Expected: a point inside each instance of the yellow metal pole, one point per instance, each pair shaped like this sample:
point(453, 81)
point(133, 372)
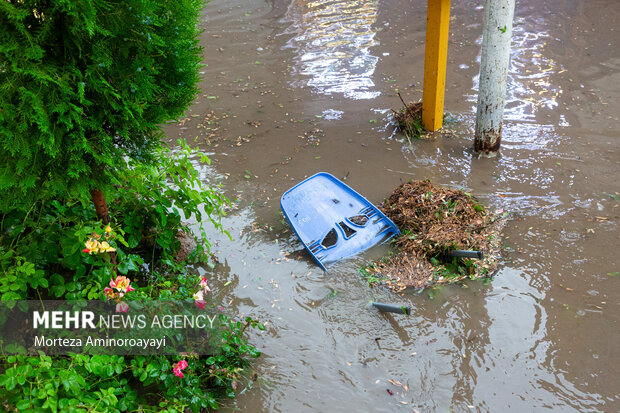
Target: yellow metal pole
point(435, 59)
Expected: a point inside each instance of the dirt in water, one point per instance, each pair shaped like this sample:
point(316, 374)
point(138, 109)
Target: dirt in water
point(292, 88)
point(433, 222)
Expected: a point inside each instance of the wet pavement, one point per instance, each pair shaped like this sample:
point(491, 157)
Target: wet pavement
point(292, 88)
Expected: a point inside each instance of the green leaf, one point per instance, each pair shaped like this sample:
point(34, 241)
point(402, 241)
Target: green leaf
point(58, 290)
point(11, 382)
point(11, 297)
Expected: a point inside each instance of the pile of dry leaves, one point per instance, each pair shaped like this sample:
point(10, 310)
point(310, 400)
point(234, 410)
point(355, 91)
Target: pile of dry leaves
point(433, 221)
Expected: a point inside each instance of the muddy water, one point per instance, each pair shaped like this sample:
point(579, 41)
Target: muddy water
point(296, 87)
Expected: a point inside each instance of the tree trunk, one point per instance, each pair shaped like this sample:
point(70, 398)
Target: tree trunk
point(496, 36)
point(101, 207)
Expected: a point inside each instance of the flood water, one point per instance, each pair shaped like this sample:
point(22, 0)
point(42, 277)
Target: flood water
point(295, 87)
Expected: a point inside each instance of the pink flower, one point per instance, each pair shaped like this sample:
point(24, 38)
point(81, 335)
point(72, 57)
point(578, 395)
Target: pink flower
point(177, 367)
point(92, 246)
point(122, 307)
point(199, 299)
point(120, 283)
point(108, 292)
point(204, 285)
point(118, 287)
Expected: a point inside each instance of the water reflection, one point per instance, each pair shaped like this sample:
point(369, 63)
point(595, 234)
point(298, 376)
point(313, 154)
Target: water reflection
point(529, 86)
point(332, 41)
point(524, 346)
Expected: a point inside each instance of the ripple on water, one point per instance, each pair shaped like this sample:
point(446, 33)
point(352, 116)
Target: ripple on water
point(332, 114)
point(332, 41)
point(530, 87)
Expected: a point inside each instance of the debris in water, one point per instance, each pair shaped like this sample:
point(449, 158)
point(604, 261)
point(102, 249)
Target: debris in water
point(390, 308)
point(433, 221)
point(409, 119)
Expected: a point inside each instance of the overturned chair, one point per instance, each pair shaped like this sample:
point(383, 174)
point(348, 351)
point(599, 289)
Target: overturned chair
point(332, 220)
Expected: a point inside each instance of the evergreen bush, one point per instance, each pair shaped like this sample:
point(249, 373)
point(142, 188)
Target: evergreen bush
point(84, 88)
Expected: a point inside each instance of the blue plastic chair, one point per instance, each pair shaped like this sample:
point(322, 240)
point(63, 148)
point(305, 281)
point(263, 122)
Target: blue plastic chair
point(332, 220)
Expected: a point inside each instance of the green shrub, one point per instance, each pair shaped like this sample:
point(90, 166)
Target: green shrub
point(41, 252)
point(41, 257)
point(84, 88)
point(85, 84)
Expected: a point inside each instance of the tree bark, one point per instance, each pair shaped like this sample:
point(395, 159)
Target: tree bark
point(494, 63)
point(101, 207)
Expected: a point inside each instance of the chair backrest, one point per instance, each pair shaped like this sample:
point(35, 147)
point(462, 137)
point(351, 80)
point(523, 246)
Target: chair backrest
point(332, 220)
